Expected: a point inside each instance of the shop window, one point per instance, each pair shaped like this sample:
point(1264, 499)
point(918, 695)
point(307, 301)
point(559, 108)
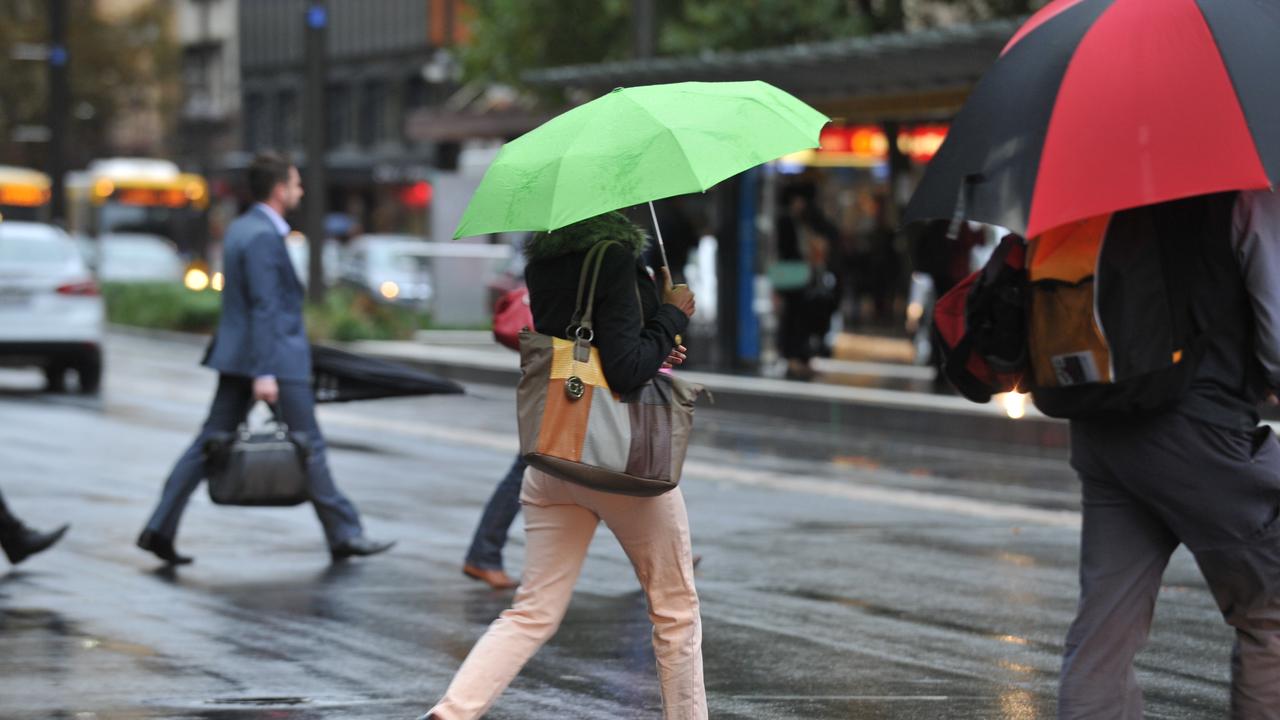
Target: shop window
point(373, 111)
point(286, 119)
point(338, 125)
point(254, 115)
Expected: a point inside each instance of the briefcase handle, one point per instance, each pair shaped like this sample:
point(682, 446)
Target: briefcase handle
point(281, 427)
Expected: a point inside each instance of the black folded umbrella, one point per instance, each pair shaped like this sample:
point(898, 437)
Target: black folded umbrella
point(340, 376)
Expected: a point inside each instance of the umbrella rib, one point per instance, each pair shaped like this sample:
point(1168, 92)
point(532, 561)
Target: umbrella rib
point(684, 155)
point(559, 165)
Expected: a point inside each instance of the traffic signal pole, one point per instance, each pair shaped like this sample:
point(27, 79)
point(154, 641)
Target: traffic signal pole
point(59, 92)
point(315, 180)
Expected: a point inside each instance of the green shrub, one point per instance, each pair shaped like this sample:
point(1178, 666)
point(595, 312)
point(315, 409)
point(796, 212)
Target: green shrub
point(161, 305)
point(349, 314)
point(346, 315)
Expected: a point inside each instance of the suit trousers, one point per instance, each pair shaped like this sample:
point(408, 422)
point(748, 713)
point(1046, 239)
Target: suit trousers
point(231, 405)
point(560, 521)
point(1149, 486)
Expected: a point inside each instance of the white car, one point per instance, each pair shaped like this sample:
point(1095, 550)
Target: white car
point(51, 310)
point(394, 269)
point(138, 257)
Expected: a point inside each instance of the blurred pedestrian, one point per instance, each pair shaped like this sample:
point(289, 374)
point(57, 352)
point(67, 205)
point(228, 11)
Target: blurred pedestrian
point(807, 289)
point(1205, 474)
point(484, 557)
point(883, 279)
point(21, 542)
point(261, 353)
point(634, 340)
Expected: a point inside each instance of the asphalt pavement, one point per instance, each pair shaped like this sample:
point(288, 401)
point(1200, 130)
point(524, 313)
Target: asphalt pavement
point(844, 575)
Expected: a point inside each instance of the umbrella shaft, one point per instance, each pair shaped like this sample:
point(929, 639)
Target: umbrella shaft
point(658, 231)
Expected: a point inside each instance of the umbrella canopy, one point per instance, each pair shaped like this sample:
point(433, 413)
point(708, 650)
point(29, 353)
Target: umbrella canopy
point(1102, 105)
point(339, 376)
point(635, 145)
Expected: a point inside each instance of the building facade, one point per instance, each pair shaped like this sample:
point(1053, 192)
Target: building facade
point(384, 60)
point(209, 116)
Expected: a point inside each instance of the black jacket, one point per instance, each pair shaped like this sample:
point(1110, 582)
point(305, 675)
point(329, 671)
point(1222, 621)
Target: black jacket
point(634, 336)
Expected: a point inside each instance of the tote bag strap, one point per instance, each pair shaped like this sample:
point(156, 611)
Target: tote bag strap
point(582, 314)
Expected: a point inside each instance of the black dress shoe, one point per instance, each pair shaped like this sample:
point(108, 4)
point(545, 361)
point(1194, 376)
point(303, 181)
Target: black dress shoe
point(22, 542)
point(358, 546)
point(162, 547)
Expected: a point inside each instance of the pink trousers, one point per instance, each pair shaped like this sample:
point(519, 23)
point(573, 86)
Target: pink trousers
point(560, 520)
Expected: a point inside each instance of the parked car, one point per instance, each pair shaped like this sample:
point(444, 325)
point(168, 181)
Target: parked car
point(392, 268)
point(299, 249)
point(137, 257)
point(51, 310)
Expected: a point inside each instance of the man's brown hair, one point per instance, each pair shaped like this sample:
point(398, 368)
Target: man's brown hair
point(267, 170)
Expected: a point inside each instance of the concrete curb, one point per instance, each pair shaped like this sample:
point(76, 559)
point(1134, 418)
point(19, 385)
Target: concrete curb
point(835, 408)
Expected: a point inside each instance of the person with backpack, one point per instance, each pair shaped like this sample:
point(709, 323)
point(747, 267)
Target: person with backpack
point(636, 321)
point(1156, 332)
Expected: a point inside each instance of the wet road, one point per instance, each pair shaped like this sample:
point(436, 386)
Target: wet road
point(842, 577)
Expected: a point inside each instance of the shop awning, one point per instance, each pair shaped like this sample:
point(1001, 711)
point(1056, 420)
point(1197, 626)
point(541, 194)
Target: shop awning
point(895, 76)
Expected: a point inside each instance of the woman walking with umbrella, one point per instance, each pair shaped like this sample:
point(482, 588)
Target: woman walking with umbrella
point(564, 179)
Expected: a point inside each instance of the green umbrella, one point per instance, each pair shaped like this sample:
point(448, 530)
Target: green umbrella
point(636, 145)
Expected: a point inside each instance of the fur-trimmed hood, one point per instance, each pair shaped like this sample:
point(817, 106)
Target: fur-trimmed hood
point(583, 234)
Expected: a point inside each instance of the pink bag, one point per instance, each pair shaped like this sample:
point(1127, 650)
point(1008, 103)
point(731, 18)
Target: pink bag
point(511, 314)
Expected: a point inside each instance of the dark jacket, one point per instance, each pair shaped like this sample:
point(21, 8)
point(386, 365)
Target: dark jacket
point(261, 331)
point(634, 336)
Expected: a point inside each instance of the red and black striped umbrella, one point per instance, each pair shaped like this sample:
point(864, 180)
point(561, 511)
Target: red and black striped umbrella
point(1096, 106)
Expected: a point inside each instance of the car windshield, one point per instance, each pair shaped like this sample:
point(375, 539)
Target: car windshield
point(22, 244)
point(134, 250)
point(409, 264)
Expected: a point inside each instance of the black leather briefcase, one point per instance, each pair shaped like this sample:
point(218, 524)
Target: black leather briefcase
point(262, 467)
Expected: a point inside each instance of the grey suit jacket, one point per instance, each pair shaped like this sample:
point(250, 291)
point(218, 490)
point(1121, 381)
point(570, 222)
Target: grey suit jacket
point(261, 331)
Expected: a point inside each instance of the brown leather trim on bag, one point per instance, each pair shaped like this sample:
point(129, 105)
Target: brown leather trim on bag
point(597, 479)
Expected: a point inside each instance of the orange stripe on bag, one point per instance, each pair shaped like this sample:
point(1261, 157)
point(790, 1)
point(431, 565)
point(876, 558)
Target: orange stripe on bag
point(564, 422)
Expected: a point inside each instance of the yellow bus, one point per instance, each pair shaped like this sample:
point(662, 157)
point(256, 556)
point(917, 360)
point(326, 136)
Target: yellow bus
point(24, 194)
point(140, 195)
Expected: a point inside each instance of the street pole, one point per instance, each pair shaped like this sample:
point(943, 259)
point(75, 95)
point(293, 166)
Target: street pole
point(315, 116)
point(55, 162)
point(644, 23)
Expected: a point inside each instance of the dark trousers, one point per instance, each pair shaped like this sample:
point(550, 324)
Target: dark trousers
point(1148, 487)
point(231, 405)
point(495, 523)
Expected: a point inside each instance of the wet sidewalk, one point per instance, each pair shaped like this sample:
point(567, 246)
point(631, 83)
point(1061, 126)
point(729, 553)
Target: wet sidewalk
point(908, 582)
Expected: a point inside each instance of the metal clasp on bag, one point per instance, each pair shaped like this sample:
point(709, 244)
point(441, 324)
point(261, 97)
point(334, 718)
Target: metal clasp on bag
point(574, 386)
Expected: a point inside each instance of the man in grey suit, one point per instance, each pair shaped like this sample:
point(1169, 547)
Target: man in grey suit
point(261, 352)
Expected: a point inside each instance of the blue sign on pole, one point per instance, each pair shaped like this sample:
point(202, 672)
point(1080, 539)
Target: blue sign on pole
point(317, 17)
point(57, 56)
point(748, 323)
